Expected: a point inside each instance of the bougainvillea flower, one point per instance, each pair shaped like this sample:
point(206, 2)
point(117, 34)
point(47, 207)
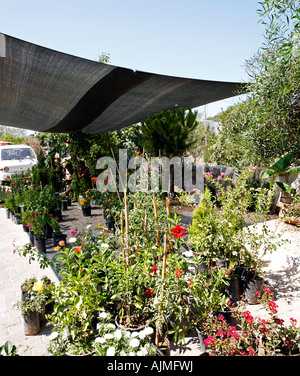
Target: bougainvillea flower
point(78, 249)
point(178, 231)
point(62, 243)
point(73, 232)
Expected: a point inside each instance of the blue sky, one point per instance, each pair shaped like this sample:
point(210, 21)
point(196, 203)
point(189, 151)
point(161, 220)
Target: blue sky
point(203, 39)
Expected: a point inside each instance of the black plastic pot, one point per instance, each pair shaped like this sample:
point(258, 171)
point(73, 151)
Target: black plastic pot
point(234, 290)
point(48, 231)
point(253, 284)
point(57, 213)
point(64, 205)
point(25, 228)
point(86, 211)
point(40, 243)
point(31, 238)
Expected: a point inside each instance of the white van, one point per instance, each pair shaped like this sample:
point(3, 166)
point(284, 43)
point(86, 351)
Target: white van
point(15, 159)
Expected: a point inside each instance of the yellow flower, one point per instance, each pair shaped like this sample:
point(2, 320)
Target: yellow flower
point(57, 248)
point(38, 286)
point(82, 201)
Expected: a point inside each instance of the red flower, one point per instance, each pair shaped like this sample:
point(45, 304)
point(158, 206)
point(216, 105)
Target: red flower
point(273, 306)
point(154, 268)
point(78, 249)
point(178, 273)
point(248, 317)
point(148, 293)
point(178, 231)
point(94, 179)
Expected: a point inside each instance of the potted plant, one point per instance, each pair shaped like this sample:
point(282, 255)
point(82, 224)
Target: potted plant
point(63, 199)
point(112, 341)
point(77, 300)
point(31, 308)
point(255, 336)
point(291, 213)
point(57, 234)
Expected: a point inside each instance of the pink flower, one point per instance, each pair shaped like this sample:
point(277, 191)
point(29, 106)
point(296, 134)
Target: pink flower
point(219, 177)
point(208, 341)
point(73, 232)
point(251, 351)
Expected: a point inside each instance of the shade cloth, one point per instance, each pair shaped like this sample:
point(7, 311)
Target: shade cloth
point(50, 91)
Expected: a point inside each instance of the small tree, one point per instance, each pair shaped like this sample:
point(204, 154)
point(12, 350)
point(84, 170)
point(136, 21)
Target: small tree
point(274, 106)
point(167, 134)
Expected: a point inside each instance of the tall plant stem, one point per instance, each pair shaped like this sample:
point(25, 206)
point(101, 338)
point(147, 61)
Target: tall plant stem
point(126, 227)
point(160, 308)
point(157, 226)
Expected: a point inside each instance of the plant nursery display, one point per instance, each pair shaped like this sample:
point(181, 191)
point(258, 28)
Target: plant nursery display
point(153, 277)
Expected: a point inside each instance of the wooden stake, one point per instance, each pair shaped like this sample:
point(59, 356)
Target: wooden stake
point(126, 227)
point(157, 224)
point(122, 237)
point(169, 216)
point(157, 336)
point(165, 256)
point(145, 223)
point(134, 233)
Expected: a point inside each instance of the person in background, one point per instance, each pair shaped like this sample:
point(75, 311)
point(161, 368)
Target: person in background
point(84, 173)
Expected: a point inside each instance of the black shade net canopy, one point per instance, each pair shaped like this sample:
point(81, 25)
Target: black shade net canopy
point(50, 91)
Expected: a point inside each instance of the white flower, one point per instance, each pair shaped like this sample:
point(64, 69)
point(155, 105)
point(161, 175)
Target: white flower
point(53, 336)
point(111, 326)
point(88, 226)
point(72, 240)
point(144, 351)
point(108, 336)
point(100, 340)
point(110, 351)
point(134, 343)
point(140, 353)
point(148, 330)
point(134, 334)
point(105, 245)
point(131, 353)
point(118, 334)
point(188, 254)
point(142, 334)
point(103, 315)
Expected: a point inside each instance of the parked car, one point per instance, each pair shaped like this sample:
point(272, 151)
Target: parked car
point(15, 159)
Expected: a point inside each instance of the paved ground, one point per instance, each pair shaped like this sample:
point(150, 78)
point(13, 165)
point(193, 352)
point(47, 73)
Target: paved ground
point(282, 273)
